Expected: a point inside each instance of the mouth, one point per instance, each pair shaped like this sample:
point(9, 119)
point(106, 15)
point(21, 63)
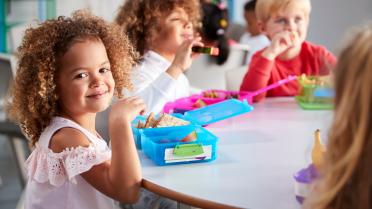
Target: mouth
point(187, 36)
point(97, 95)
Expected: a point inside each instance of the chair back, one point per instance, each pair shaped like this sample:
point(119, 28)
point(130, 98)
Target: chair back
point(234, 78)
point(205, 74)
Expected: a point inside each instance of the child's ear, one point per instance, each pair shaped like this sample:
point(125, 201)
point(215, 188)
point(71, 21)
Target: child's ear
point(261, 26)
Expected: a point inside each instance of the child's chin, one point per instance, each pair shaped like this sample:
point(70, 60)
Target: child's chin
point(100, 108)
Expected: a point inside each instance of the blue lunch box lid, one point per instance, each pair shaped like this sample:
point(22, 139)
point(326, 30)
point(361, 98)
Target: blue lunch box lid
point(219, 111)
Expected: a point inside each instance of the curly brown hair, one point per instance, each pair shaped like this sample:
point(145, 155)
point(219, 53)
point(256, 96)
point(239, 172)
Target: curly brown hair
point(33, 99)
point(140, 19)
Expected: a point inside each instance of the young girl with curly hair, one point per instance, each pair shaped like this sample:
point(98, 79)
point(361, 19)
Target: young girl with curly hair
point(68, 70)
point(346, 178)
point(163, 33)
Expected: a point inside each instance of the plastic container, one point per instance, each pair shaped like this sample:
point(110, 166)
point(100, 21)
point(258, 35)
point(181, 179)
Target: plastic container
point(199, 117)
point(167, 149)
point(185, 104)
point(303, 179)
point(164, 145)
point(160, 131)
point(216, 112)
point(315, 96)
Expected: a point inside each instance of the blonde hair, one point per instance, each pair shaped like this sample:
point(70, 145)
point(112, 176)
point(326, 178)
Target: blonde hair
point(140, 19)
point(346, 179)
point(267, 8)
point(33, 97)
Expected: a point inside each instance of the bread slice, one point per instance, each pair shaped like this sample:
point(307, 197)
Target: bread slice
point(168, 120)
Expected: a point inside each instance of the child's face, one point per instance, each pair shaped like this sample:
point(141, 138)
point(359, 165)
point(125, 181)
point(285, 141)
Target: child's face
point(175, 29)
point(292, 19)
point(251, 20)
point(85, 83)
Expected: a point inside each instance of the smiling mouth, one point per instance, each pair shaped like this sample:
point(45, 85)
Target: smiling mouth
point(97, 95)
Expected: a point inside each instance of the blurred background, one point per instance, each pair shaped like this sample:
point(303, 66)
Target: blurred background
point(329, 22)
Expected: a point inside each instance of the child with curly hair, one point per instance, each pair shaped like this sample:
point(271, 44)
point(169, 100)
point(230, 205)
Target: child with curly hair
point(164, 33)
point(285, 23)
point(68, 70)
point(346, 178)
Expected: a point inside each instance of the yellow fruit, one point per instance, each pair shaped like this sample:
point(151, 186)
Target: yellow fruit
point(318, 151)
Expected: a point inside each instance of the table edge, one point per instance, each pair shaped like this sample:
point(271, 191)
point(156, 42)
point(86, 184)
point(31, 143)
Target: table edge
point(183, 198)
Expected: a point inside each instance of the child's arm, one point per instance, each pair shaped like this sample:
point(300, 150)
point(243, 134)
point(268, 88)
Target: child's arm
point(183, 59)
point(121, 177)
point(262, 63)
point(160, 90)
point(125, 171)
point(258, 75)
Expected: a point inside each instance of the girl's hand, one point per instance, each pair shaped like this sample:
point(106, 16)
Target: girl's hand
point(280, 43)
point(125, 110)
point(184, 55)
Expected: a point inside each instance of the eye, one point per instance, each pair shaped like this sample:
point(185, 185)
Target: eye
point(281, 21)
point(298, 19)
point(81, 75)
point(104, 70)
point(174, 19)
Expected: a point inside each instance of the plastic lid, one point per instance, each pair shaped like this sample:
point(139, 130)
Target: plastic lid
point(324, 92)
point(219, 111)
point(306, 175)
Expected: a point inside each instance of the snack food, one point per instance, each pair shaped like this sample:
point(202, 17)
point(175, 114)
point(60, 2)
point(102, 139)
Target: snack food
point(190, 138)
point(315, 80)
point(206, 50)
point(166, 120)
point(210, 94)
point(318, 151)
point(199, 103)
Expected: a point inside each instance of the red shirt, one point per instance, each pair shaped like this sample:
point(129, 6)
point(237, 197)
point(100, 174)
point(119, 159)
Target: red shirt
point(312, 60)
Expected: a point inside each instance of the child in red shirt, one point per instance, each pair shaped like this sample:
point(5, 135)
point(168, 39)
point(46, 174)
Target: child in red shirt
point(285, 23)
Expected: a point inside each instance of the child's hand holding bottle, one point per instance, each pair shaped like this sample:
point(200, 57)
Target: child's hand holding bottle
point(184, 55)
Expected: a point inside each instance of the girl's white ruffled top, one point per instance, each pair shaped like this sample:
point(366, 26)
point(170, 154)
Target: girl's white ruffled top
point(53, 178)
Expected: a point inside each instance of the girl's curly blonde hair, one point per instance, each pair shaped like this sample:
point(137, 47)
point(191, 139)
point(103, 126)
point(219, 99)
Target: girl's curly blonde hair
point(140, 19)
point(33, 99)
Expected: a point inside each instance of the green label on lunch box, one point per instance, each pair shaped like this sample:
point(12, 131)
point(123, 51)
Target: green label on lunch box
point(183, 150)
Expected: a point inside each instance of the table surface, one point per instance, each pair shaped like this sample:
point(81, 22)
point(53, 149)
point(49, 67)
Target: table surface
point(257, 155)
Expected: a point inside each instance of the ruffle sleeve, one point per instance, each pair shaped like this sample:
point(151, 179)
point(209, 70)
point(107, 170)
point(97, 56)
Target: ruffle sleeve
point(44, 165)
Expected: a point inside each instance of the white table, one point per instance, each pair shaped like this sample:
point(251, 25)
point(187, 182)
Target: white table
point(257, 155)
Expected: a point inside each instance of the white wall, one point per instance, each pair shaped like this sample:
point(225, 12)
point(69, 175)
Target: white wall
point(330, 19)
point(103, 8)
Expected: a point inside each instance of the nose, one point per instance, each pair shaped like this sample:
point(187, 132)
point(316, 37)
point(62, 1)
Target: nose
point(96, 81)
point(290, 26)
point(188, 25)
